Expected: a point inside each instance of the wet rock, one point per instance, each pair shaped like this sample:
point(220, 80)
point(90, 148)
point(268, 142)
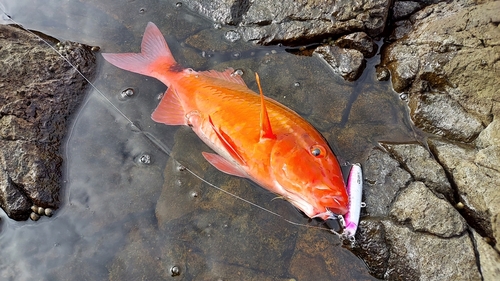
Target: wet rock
point(451, 49)
point(424, 212)
point(383, 73)
point(419, 256)
point(38, 92)
point(384, 178)
point(477, 185)
point(403, 9)
point(407, 222)
point(13, 201)
point(290, 22)
point(402, 61)
point(419, 162)
point(313, 248)
point(439, 114)
point(358, 41)
point(371, 246)
point(347, 63)
point(453, 89)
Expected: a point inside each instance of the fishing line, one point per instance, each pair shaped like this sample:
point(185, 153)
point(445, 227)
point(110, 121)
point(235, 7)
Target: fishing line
point(152, 138)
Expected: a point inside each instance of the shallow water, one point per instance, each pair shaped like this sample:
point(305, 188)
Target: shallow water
point(123, 219)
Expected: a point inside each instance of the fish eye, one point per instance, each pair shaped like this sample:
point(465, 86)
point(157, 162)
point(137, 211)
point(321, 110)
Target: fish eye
point(318, 151)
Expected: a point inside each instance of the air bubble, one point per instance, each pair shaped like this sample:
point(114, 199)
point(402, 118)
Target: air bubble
point(236, 55)
point(403, 96)
point(129, 92)
point(142, 10)
point(238, 72)
point(178, 4)
point(296, 84)
point(145, 159)
point(175, 271)
point(232, 36)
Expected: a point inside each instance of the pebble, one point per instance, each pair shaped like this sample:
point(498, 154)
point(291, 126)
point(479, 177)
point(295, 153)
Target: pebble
point(34, 216)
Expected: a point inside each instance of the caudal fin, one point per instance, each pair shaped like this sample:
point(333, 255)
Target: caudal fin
point(155, 58)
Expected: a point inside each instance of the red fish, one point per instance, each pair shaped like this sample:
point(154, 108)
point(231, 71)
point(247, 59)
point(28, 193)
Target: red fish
point(253, 136)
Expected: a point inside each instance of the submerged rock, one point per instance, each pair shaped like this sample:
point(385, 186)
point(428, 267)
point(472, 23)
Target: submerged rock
point(39, 90)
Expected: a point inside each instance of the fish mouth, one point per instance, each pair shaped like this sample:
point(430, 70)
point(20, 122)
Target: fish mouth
point(340, 210)
point(336, 204)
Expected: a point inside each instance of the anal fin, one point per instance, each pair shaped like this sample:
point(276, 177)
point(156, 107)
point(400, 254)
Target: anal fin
point(170, 110)
point(223, 165)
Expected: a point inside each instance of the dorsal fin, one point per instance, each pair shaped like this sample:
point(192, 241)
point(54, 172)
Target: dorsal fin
point(266, 132)
point(228, 143)
point(228, 75)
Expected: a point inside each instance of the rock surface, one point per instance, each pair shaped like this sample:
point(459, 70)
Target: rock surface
point(445, 57)
point(447, 61)
point(292, 22)
point(347, 63)
point(38, 92)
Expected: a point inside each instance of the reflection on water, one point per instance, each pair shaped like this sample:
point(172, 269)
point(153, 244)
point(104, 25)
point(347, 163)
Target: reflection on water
point(127, 219)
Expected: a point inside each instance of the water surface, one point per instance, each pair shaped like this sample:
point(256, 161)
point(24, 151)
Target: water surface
point(124, 218)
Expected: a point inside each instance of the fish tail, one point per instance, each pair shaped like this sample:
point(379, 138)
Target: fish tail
point(155, 58)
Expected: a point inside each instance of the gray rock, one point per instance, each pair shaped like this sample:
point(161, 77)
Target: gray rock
point(384, 178)
point(289, 21)
point(419, 162)
point(13, 201)
point(403, 9)
point(424, 212)
point(490, 136)
point(418, 256)
point(371, 246)
point(38, 92)
point(477, 185)
point(403, 62)
point(359, 41)
point(401, 28)
point(489, 259)
point(450, 50)
point(347, 63)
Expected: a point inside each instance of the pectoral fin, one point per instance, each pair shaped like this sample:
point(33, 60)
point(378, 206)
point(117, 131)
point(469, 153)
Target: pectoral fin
point(223, 165)
point(266, 132)
point(228, 143)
